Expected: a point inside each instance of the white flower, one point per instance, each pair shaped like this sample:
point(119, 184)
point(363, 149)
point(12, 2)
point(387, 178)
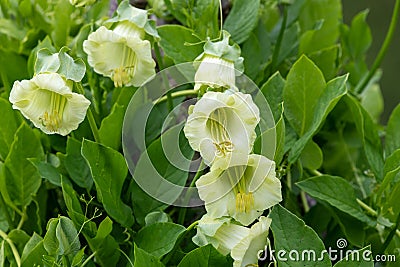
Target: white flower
point(221, 124)
point(227, 237)
point(241, 188)
point(245, 252)
point(219, 64)
point(220, 233)
point(48, 101)
point(215, 72)
point(121, 54)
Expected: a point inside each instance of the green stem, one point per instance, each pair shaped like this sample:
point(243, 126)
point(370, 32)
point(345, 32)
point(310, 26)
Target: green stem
point(382, 52)
point(164, 77)
point(88, 259)
point(126, 256)
point(22, 220)
point(176, 94)
point(182, 212)
point(90, 116)
point(304, 201)
point(279, 40)
point(315, 172)
point(12, 246)
point(367, 208)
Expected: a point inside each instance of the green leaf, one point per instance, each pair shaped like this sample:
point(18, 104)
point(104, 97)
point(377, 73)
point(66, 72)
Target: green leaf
point(154, 166)
point(358, 258)
point(179, 43)
point(33, 252)
point(78, 258)
point(9, 122)
point(205, 19)
point(50, 241)
point(392, 167)
point(61, 237)
point(144, 259)
point(71, 69)
point(19, 179)
point(359, 37)
point(111, 127)
point(334, 90)
point(369, 134)
point(242, 19)
point(391, 207)
point(206, 256)
point(61, 23)
point(159, 238)
point(155, 217)
point(46, 61)
point(327, 11)
point(273, 92)
point(291, 233)
point(336, 191)
point(372, 101)
point(304, 85)
point(104, 245)
point(392, 140)
point(327, 60)
point(76, 165)
point(19, 238)
point(47, 171)
point(109, 170)
point(61, 63)
point(67, 237)
point(311, 156)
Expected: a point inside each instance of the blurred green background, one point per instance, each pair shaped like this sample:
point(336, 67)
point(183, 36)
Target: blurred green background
point(380, 12)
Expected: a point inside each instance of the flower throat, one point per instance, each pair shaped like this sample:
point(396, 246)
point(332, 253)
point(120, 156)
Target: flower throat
point(217, 125)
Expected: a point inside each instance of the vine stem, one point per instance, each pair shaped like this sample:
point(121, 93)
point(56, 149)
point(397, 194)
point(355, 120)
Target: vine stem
point(176, 94)
point(382, 52)
point(92, 122)
point(88, 259)
point(182, 212)
point(160, 62)
point(12, 246)
point(279, 40)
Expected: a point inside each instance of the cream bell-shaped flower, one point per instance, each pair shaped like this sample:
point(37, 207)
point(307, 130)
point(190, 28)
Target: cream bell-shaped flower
point(48, 101)
point(215, 72)
point(221, 124)
point(220, 233)
point(245, 252)
point(121, 54)
point(218, 65)
point(241, 188)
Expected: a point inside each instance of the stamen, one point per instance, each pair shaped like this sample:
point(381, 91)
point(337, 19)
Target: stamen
point(217, 125)
point(123, 74)
point(52, 119)
point(244, 202)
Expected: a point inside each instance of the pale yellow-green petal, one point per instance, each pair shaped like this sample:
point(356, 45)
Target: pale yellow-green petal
point(246, 251)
